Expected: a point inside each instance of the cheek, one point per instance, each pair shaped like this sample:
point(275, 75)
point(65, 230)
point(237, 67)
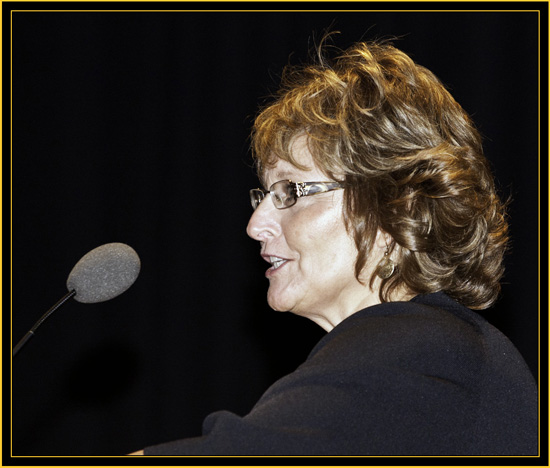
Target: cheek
point(329, 241)
point(316, 232)
point(302, 229)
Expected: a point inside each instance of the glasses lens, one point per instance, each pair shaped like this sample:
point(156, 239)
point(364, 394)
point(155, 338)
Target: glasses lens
point(256, 197)
point(283, 194)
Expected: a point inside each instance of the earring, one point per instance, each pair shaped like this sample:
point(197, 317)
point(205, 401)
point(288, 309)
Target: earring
point(386, 266)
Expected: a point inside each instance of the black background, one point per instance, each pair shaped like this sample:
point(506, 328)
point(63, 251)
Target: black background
point(133, 127)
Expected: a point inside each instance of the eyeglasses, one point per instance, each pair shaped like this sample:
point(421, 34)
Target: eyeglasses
point(285, 193)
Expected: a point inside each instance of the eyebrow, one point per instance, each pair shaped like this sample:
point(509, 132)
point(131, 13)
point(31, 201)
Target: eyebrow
point(280, 175)
point(283, 175)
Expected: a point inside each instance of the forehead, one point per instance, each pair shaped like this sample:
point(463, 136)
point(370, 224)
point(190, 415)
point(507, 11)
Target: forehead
point(284, 169)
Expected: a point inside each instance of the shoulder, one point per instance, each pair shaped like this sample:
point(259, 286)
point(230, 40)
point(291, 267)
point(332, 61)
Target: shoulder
point(427, 324)
point(431, 335)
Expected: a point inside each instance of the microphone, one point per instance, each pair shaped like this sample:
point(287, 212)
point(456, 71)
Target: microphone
point(102, 274)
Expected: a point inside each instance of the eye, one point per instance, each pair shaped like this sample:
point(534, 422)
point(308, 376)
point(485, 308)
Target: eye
point(277, 197)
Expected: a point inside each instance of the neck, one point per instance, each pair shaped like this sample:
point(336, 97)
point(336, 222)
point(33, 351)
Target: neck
point(329, 319)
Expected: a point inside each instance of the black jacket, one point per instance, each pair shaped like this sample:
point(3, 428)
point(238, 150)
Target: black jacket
point(424, 377)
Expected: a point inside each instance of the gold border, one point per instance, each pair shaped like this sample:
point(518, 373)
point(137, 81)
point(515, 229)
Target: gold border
point(268, 11)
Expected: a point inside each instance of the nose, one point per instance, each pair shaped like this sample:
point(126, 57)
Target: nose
point(264, 222)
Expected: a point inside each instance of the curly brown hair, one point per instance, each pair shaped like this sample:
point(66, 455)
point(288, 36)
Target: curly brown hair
point(411, 161)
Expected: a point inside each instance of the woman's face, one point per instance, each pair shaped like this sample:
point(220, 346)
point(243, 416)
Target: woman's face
point(312, 255)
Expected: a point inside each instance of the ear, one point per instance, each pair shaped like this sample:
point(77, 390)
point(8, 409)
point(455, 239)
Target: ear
point(383, 240)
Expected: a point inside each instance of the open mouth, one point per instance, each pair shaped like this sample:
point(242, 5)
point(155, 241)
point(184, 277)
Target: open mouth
point(276, 262)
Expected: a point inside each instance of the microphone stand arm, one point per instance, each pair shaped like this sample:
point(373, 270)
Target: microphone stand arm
point(30, 333)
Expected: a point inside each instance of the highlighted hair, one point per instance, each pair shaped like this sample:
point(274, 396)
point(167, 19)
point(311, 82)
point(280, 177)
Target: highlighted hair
point(411, 161)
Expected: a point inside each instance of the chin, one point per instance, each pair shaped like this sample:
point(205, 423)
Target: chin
point(278, 305)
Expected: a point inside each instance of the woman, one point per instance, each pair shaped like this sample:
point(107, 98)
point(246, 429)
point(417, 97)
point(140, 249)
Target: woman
point(381, 223)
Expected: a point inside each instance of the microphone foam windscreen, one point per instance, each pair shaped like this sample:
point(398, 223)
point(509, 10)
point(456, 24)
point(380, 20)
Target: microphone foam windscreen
point(104, 273)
